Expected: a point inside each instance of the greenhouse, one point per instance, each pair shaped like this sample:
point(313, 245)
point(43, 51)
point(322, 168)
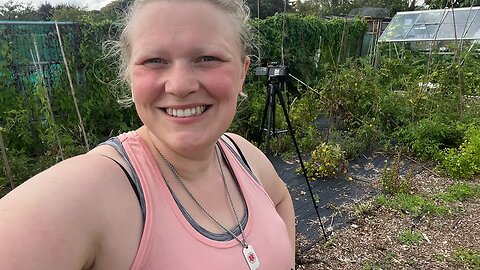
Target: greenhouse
point(442, 25)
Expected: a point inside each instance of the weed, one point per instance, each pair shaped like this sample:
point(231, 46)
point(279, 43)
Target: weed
point(364, 208)
point(460, 192)
point(470, 257)
point(392, 183)
point(382, 264)
point(414, 204)
point(410, 237)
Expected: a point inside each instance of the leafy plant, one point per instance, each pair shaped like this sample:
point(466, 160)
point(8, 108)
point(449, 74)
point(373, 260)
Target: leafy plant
point(427, 137)
point(327, 160)
point(464, 161)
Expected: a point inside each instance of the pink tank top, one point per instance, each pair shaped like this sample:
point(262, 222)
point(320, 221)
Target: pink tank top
point(169, 242)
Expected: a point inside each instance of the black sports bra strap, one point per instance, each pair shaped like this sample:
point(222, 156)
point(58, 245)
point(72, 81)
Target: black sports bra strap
point(238, 150)
point(132, 183)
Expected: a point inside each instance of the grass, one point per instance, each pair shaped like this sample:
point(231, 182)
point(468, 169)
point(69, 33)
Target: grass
point(460, 192)
point(410, 237)
point(414, 204)
point(417, 204)
point(469, 257)
point(384, 263)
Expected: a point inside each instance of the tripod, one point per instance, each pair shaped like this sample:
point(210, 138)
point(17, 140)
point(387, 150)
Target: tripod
point(274, 90)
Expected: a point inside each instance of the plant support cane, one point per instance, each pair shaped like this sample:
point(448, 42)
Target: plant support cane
point(8, 171)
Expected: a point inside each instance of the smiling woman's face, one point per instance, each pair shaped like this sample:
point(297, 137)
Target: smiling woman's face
point(186, 71)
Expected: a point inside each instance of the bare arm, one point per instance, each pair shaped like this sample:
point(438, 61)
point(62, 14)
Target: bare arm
point(43, 224)
point(273, 184)
point(61, 218)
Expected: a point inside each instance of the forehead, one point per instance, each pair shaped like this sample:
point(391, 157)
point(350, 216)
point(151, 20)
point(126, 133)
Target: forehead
point(164, 20)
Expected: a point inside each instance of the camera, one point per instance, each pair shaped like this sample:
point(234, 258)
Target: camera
point(273, 71)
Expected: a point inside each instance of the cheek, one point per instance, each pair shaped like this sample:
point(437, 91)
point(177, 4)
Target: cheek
point(143, 84)
point(224, 84)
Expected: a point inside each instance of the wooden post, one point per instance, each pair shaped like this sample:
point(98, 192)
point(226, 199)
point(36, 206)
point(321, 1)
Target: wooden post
point(8, 171)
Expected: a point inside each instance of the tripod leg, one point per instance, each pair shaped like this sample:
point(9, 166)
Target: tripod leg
point(270, 118)
point(292, 135)
point(264, 117)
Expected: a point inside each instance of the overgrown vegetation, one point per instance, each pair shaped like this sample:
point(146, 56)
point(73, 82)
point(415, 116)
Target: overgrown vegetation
point(349, 106)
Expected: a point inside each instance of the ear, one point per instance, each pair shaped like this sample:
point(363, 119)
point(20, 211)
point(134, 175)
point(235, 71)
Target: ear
point(246, 65)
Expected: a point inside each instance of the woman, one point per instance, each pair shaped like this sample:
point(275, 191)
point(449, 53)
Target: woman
point(194, 198)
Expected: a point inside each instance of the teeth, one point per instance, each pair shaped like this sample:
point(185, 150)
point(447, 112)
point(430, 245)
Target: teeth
point(186, 112)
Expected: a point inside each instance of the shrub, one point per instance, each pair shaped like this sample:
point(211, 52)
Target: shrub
point(464, 162)
point(327, 160)
point(427, 137)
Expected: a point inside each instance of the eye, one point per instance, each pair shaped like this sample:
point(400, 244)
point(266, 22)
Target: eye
point(209, 58)
point(154, 62)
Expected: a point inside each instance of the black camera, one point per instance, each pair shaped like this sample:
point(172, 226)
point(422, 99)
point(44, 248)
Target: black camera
point(273, 71)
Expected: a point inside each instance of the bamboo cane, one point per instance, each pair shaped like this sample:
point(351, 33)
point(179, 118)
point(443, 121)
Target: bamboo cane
point(39, 71)
point(82, 127)
point(5, 161)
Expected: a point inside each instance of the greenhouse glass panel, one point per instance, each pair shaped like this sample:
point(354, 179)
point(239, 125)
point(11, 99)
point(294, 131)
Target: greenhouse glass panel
point(400, 26)
point(429, 25)
point(473, 30)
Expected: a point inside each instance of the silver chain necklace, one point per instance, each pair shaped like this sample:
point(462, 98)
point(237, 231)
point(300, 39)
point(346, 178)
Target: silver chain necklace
point(248, 251)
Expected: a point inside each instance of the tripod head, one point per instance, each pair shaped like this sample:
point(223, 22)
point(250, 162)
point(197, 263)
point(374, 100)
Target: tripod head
point(274, 72)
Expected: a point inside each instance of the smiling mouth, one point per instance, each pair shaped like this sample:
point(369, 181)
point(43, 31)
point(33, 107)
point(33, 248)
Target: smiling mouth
point(195, 111)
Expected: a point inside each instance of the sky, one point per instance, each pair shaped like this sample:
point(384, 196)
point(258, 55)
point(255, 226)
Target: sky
point(90, 4)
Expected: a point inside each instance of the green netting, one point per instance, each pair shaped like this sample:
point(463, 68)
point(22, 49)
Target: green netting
point(34, 47)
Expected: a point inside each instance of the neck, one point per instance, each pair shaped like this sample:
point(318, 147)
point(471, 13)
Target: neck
point(191, 166)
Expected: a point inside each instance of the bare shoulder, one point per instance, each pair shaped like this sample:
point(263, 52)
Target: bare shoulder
point(262, 168)
point(54, 220)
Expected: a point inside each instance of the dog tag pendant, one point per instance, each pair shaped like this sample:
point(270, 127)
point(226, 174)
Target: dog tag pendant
point(251, 257)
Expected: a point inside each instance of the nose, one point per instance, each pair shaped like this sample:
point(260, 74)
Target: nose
point(180, 80)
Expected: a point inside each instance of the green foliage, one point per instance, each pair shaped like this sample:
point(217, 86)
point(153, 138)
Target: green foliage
point(460, 192)
point(327, 160)
point(413, 204)
point(468, 256)
point(427, 137)
point(384, 263)
point(439, 4)
point(409, 237)
point(267, 8)
point(392, 182)
point(464, 161)
point(69, 13)
point(18, 11)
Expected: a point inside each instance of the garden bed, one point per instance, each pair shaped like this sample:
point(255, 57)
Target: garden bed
point(401, 236)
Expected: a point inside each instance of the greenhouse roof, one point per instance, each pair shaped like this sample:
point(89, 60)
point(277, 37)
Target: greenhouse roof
point(429, 25)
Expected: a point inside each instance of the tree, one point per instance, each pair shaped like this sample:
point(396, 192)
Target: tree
point(307, 7)
point(69, 12)
point(115, 9)
point(439, 4)
point(16, 11)
point(343, 7)
point(268, 7)
point(45, 11)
